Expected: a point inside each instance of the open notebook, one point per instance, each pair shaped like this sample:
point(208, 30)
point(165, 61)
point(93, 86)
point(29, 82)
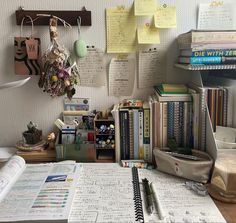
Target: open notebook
point(95, 192)
point(37, 192)
point(105, 193)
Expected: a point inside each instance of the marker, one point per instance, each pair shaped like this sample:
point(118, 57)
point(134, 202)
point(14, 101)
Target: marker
point(157, 202)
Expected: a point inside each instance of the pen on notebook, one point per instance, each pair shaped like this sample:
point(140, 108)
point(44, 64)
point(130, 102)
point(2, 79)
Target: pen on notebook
point(157, 202)
point(148, 195)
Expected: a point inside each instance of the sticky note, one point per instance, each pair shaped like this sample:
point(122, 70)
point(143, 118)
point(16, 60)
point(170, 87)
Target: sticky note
point(144, 7)
point(165, 17)
point(148, 34)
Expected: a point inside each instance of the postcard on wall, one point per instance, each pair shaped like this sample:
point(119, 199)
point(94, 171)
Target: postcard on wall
point(144, 7)
point(151, 68)
point(217, 16)
point(121, 30)
point(165, 16)
point(148, 34)
point(121, 77)
point(92, 68)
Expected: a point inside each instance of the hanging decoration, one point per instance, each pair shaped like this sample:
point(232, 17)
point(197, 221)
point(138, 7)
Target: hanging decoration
point(60, 73)
point(27, 52)
point(80, 47)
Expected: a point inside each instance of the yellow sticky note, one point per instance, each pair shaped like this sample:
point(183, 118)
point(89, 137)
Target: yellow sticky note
point(144, 7)
point(148, 34)
point(121, 30)
point(165, 17)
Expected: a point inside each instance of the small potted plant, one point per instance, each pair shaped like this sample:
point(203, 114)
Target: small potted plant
point(33, 135)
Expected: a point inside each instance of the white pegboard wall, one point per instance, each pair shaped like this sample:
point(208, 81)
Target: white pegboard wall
point(21, 105)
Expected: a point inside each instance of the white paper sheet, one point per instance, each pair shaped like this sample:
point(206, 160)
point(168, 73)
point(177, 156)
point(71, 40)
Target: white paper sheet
point(151, 68)
point(92, 68)
point(121, 77)
point(220, 16)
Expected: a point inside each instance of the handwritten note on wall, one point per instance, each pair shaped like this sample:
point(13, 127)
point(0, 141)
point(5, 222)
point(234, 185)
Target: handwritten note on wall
point(148, 34)
point(165, 17)
point(92, 68)
point(121, 77)
point(217, 16)
point(151, 68)
point(121, 30)
point(144, 7)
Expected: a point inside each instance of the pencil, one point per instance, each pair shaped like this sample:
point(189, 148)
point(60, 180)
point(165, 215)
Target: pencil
point(157, 202)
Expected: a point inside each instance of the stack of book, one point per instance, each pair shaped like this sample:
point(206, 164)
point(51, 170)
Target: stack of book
point(132, 131)
point(207, 47)
point(172, 110)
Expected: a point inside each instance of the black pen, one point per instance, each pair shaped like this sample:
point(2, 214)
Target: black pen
point(148, 195)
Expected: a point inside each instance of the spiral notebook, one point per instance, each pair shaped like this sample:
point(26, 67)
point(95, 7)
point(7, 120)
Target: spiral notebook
point(110, 193)
point(107, 193)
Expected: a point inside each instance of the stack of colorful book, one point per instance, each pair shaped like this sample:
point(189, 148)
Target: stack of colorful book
point(207, 47)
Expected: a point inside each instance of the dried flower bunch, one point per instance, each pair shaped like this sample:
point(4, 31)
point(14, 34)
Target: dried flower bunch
point(60, 74)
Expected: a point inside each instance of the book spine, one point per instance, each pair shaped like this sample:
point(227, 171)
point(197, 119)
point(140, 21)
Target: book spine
point(140, 149)
point(225, 107)
point(136, 132)
point(230, 106)
point(122, 134)
point(181, 123)
point(170, 120)
point(209, 53)
point(131, 134)
point(176, 123)
point(164, 129)
point(146, 134)
point(207, 60)
point(115, 114)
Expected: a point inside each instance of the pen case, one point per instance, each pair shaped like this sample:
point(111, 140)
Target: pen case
point(196, 170)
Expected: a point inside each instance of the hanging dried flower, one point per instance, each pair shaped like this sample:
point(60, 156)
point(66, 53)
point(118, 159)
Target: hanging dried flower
point(60, 74)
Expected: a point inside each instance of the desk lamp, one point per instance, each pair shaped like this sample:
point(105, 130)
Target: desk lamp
point(7, 152)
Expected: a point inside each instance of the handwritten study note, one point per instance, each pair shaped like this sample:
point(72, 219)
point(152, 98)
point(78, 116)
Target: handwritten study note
point(178, 203)
point(216, 16)
point(148, 34)
point(104, 194)
point(165, 16)
point(144, 7)
point(121, 30)
point(121, 77)
point(92, 68)
point(150, 68)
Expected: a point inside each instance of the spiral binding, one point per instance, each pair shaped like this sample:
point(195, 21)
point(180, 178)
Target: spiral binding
point(137, 196)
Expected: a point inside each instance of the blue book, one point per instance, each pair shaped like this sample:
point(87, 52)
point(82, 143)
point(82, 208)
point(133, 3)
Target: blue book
point(170, 120)
point(207, 60)
point(208, 53)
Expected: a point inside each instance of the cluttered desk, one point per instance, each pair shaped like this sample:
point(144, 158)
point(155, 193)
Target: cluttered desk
point(93, 192)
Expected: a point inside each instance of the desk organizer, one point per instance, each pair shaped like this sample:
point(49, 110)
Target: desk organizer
point(84, 152)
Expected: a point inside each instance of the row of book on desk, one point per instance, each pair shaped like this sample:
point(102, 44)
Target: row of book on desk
point(178, 113)
point(207, 47)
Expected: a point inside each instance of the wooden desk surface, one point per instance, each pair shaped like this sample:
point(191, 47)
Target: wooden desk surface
point(227, 210)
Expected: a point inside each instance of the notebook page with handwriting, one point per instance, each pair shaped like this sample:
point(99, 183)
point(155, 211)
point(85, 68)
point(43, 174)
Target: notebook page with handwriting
point(179, 204)
point(104, 194)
